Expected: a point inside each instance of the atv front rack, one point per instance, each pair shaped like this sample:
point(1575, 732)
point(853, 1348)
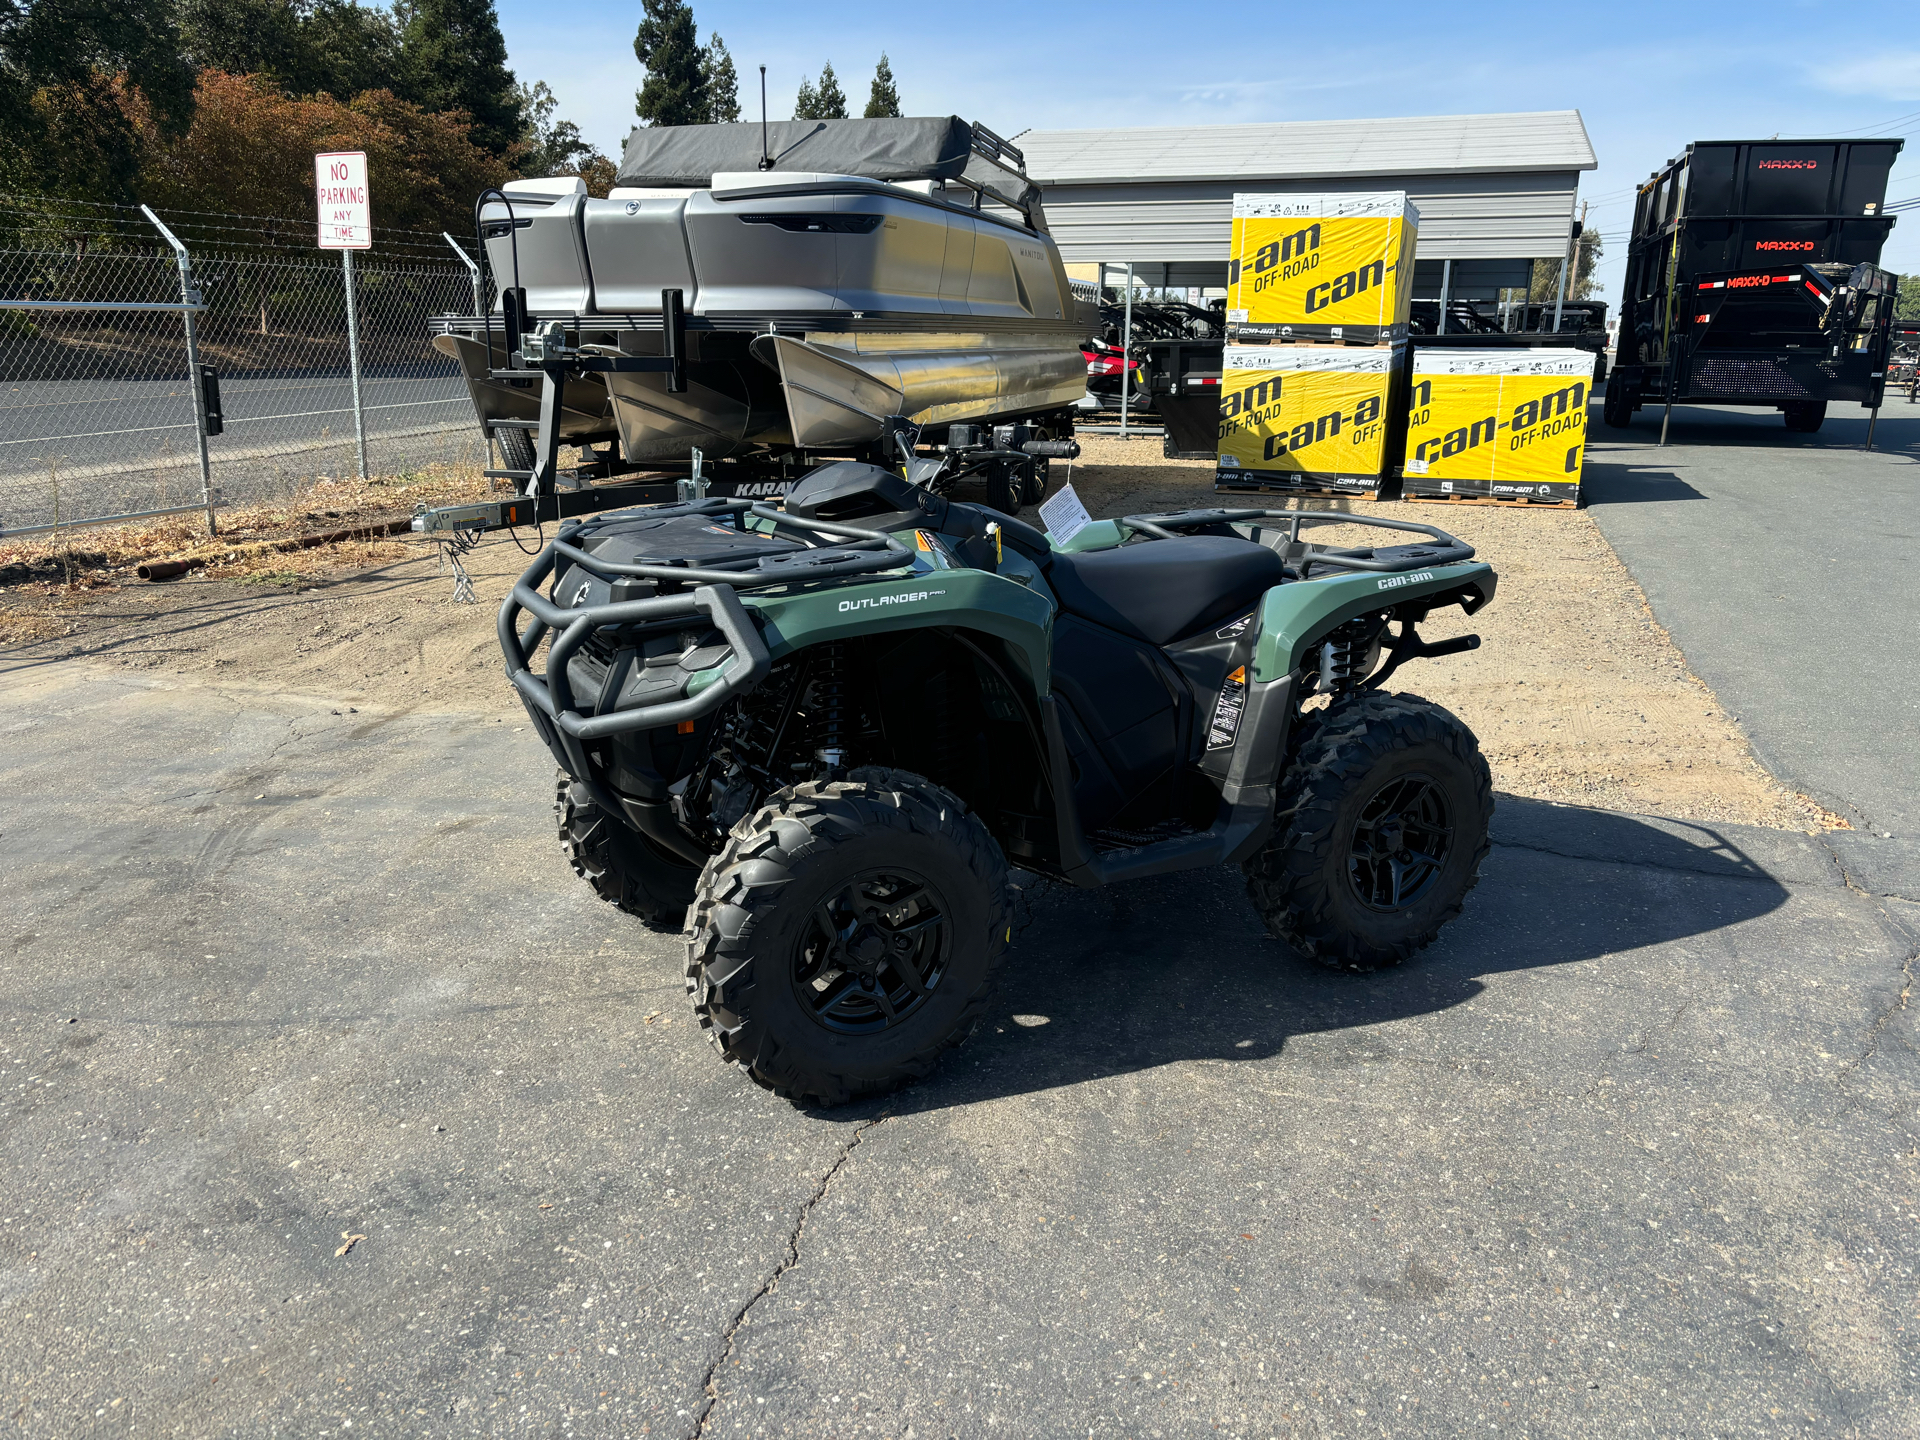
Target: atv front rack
point(1449, 551)
point(714, 594)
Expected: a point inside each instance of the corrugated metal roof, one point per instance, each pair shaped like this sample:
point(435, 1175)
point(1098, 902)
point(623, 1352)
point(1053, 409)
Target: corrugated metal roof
point(1469, 216)
point(1308, 149)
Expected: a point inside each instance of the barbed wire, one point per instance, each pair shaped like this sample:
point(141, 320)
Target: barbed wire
point(277, 233)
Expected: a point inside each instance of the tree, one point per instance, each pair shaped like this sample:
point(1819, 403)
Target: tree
point(350, 48)
point(452, 58)
point(250, 151)
point(675, 91)
point(1546, 278)
point(723, 85)
point(555, 147)
point(1907, 299)
point(882, 98)
point(307, 47)
point(65, 68)
point(823, 101)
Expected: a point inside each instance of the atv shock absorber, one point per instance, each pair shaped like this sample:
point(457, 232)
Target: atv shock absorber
point(829, 708)
point(1349, 653)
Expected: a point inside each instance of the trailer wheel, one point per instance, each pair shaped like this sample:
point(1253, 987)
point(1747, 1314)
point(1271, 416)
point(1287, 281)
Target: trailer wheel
point(1805, 416)
point(516, 448)
point(1617, 406)
point(1005, 488)
point(1034, 481)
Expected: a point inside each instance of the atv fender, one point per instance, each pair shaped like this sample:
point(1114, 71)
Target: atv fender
point(952, 599)
point(1297, 615)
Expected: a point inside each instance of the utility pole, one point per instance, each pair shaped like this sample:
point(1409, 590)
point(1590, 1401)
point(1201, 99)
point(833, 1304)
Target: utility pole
point(1580, 226)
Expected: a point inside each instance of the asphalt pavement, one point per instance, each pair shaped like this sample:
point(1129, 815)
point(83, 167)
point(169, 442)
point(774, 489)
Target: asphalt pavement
point(129, 445)
point(1784, 566)
point(338, 1106)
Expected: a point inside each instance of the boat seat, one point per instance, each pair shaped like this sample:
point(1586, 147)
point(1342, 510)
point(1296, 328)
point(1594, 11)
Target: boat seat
point(1163, 590)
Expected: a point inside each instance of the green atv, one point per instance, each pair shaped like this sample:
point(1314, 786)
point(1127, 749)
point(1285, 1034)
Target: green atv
point(817, 737)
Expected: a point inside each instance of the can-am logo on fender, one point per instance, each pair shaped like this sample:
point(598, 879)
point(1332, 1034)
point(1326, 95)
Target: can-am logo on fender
point(872, 600)
point(1390, 582)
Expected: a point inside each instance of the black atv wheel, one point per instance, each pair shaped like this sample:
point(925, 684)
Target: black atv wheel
point(1617, 405)
point(847, 935)
point(1805, 416)
point(1383, 818)
point(624, 867)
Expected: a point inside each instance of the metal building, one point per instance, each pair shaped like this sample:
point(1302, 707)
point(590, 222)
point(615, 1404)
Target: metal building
point(1495, 192)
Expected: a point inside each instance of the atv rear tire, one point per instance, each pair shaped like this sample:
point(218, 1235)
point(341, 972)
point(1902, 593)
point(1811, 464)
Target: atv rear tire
point(1383, 818)
point(623, 867)
point(847, 935)
point(1805, 416)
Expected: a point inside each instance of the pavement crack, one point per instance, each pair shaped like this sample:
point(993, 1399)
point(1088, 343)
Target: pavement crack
point(710, 1383)
point(1888, 1013)
point(1640, 1048)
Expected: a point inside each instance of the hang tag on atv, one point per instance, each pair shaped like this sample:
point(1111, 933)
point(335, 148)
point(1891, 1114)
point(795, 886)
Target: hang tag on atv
point(1064, 515)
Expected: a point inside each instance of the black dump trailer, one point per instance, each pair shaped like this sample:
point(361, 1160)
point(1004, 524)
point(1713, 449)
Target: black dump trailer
point(1752, 279)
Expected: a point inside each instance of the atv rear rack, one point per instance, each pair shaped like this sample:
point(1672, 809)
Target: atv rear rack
point(1450, 551)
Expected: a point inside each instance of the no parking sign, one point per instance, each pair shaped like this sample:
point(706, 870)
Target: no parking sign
point(346, 212)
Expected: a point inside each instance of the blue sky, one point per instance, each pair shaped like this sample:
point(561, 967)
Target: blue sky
point(1647, 78)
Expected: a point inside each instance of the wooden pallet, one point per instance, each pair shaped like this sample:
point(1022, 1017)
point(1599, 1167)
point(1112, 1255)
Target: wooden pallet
point(1302, 492)
point(1492, 500)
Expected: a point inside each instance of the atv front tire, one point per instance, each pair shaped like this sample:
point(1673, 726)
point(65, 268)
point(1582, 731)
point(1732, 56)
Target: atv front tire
point(847, 935)
point(622, 866)
point(1382, 826)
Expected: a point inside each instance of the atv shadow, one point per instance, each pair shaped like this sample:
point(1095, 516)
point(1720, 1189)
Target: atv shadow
point(1180, 968)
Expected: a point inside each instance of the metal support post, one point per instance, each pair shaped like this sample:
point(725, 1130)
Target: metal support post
point(480, 307)
point(189, 306)
point(353, 359)
point(1127, 348)
point(1873, 415)
point(1447, 277)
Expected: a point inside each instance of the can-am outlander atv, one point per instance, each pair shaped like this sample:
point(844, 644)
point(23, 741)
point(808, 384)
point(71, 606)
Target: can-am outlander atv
point(818, 737)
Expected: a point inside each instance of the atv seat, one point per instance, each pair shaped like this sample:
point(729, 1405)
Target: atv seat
point(1160, 591)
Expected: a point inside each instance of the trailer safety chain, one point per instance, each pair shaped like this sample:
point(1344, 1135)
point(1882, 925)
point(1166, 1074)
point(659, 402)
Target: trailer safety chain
point(452, 547)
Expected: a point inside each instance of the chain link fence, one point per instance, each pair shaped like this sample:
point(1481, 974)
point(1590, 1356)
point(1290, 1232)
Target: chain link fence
point(97, 402)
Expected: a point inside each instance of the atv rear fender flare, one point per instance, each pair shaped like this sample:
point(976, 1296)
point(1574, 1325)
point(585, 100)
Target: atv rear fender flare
point(1297, 616)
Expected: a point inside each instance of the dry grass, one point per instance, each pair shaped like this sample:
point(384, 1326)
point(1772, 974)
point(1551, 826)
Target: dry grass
point(67, 555)
point(43, 577)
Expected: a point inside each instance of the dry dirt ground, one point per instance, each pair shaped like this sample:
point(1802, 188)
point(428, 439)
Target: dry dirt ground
point(1577, 695)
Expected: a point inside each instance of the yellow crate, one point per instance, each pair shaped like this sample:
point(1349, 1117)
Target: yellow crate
point(1321, 267)
point(1505, 423)
point(1306, 417)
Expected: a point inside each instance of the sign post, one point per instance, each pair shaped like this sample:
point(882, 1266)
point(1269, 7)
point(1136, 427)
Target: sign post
point(346, 225)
